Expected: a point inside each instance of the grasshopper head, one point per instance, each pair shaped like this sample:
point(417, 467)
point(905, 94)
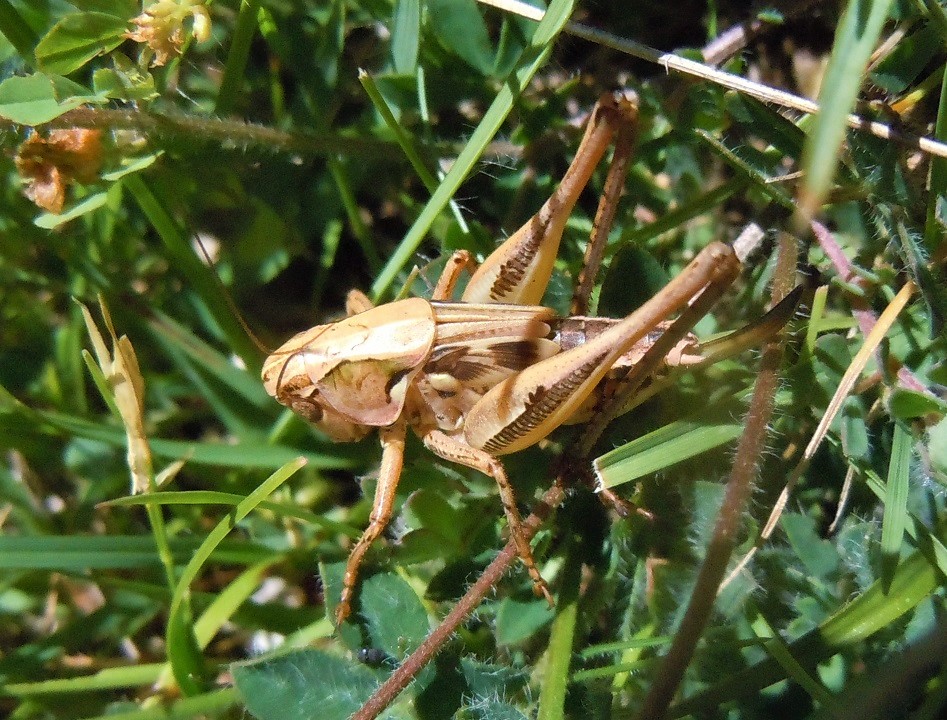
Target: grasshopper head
point(350, 376)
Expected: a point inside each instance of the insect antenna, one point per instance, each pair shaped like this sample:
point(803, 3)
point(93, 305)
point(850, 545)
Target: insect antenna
point(231, 305)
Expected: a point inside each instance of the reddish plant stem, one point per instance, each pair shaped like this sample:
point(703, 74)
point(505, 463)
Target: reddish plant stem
point(729, 521)
point(865, 318)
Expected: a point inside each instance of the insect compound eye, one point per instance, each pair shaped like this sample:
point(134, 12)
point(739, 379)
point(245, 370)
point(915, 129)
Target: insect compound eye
point(308, 409)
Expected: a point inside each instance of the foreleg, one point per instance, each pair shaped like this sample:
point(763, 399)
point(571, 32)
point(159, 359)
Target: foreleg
point(392, 459)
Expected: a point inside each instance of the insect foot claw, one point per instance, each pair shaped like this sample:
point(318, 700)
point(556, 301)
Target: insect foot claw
point(543, 589)
point(344, 608)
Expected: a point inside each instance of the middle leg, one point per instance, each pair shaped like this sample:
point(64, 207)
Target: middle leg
point(459, 452)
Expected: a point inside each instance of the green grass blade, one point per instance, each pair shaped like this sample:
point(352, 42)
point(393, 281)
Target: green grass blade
point(795, 670)
point(246, 455)
point(228, 601)
point(210, 704)
point(660, 449)
point(532, 59)
point(937, 196)
point(183, 650)
point(213, 497)
point(237, 380)
point(235, 67)
point(201, 278)
point(896, 500)
point(562, 638)
point(15, 29)
point(913, 581)
point(80, 554)
point(405, 142)
point(108, 679)
point(855, 40)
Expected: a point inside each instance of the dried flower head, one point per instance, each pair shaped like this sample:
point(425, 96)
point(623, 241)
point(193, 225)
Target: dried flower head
point(161, 27)
point(50, 163)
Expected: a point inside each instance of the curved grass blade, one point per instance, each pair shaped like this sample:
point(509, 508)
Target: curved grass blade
point(531, 60)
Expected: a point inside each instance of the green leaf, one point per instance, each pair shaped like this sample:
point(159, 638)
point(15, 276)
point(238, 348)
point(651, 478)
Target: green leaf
point(634, 277)
point(518, 620)
point(490, 708)
point(405, 34)
point(394, 615)
point(818, 555)
point(909, 404)
point(304, 685)
point(854, 431)
point(50, 221)
point(36, 99)
point(78, 38)
point(907, 59)
point(133, 165)
point(428, 509)
point(119, 85)
point(118, 8)
point(489, 680)
point(532, 59)
point(459, 27)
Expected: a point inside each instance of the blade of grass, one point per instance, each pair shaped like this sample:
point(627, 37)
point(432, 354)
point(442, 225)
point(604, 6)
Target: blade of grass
point(108, 679)
point(875, 609)
point(237, 380)
point(80, 553)
point(855, 39)
point(932, 545)
point(235, 67)
point(680, 216)
point(756, 177)
point(201, 278)
point(533, 57)
point(245, 455)
point(405, 143)
point(209, 704)
point(15, 29)
point(659, 449)
point(180, 636)
point(937, 190)
point(896, 501)
point(213, 497)
point(356, 224)
point(781, 652)
point(561, 638)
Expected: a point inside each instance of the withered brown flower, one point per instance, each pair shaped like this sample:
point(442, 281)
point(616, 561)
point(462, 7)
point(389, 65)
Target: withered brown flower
point(49, 163)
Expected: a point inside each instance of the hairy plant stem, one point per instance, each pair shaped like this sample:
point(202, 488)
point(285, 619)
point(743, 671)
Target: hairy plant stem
point(668, 677)
point(402, 677)
point(236, 133)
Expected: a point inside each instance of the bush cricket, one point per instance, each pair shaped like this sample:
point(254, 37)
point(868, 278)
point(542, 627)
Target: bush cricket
point(496, 372)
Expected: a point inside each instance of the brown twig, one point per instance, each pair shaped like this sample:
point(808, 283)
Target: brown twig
point(669, 675)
